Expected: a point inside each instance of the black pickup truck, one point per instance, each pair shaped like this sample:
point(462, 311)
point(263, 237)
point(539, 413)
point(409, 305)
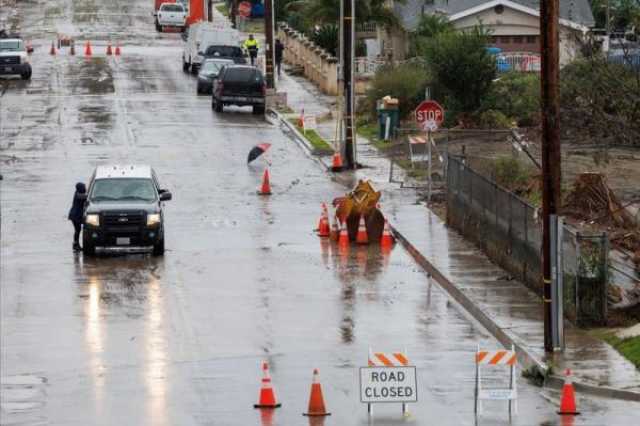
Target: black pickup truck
point(241, 85)
point(123, 211)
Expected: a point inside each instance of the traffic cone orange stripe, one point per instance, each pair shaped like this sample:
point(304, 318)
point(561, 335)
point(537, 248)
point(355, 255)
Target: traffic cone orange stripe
point(87, 49)
point(267, 397)
point(316, 400)
point(387, 239)
point(265, 189)
point(52, 51)
point(343, 238)
point(72, 49)
point(117, 48)
point(568, 398)
point(335, 231)
point(109, 50)
point(337, 162)
point(361, 237)
point(323, 225)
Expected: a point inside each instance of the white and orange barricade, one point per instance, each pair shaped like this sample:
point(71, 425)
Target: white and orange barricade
point(506, 359)
point(388, 378)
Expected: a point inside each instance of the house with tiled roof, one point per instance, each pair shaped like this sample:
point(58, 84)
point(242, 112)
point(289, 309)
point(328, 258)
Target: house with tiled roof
point(514, 24)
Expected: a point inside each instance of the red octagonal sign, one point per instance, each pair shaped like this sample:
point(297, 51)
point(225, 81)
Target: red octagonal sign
point(429, 113)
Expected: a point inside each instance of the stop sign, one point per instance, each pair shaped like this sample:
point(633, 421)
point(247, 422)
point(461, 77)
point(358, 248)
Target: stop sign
point(429, 114)
point(244, 9)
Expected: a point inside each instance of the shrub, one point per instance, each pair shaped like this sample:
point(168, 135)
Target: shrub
point(406, 82)
point(492, 119)
point(517, 96)
point(511, 173)
point(600, 99)
point(462, 66)
point(327, 38)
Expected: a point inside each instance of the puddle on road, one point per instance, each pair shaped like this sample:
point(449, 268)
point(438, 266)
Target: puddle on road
point(22, 398)
point(94, 76)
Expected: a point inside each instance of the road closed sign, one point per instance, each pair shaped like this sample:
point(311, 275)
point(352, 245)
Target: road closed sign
point(388, 384)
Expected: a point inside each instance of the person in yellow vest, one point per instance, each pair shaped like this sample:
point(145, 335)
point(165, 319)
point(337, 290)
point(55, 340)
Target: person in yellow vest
point(251, 46)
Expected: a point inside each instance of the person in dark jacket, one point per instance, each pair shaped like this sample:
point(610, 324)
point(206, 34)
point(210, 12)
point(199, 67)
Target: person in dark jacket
point(76, 212)
point(278, 49)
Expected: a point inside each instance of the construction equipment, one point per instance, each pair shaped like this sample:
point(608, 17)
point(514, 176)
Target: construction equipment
point(361, 201)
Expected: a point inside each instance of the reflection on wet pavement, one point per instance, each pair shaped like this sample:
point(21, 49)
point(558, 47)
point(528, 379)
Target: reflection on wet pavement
point(178, 341)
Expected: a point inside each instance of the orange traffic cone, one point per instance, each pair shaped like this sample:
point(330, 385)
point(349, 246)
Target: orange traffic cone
point(336, 165)
point(53, 49)
point(301, 119)
point(386, 240)
point(117, 48)
point(335, 231)
point(267, 397)
point(316, 401)
point(109, 51)
point(265, 189)
point(343, 238)
point(361, 237)
point(323, 226)
point(87, 49)
point(568, 399)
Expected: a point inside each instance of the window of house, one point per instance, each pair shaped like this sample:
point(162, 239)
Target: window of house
point(532, 39)
point(494, 39)
point(498, 9)
point(518, 39)
point(505, 39)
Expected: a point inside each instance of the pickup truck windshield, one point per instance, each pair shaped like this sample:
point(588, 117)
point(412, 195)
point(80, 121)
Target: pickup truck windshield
point(171, 8)
point(224, 51)
point(123, 189)
point(10, 46)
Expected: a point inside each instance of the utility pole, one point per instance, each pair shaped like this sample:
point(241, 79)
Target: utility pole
point(348, 51)
point(269, 50)
point(551, 157)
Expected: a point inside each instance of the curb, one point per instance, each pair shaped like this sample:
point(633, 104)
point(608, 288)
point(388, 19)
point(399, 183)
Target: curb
point(299, 138)
point(525, 357)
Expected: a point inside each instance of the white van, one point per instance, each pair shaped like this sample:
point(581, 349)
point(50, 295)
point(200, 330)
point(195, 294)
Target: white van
point(202, 35)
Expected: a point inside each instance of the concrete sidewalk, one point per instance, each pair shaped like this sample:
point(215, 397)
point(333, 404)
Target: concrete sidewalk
point(507, 308)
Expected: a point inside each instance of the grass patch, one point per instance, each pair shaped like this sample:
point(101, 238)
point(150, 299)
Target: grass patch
point(313, 137)
point(628, 348)
point(222, 8)
point(370, 132)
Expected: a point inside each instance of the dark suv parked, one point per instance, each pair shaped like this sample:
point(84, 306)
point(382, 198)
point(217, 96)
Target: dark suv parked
point(240, 85)
point(123, 211)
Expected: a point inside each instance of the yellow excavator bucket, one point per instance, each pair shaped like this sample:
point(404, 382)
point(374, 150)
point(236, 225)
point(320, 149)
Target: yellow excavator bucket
point(361, 201)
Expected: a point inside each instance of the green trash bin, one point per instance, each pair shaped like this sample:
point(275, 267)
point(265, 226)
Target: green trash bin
point(390, 116)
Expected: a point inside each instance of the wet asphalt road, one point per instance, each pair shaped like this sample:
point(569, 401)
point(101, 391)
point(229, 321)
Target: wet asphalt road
point(178, 340)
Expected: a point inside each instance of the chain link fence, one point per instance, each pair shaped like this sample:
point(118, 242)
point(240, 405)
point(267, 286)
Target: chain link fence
point(502, 224)
point(585, 277)
point(509, 230)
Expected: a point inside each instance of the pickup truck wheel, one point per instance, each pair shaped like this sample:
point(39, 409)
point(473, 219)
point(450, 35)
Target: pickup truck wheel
point(26, 75)
point(88, 247)
point(158, 249)
point(185, 66)
point(158, 27)
point(258, 109)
